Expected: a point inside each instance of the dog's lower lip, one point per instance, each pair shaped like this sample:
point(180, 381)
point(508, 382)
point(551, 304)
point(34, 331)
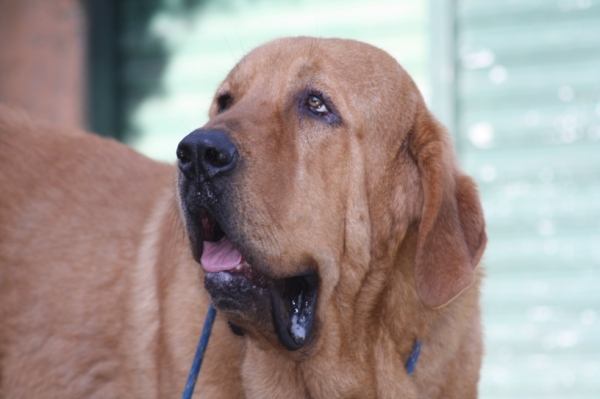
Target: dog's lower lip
point(248, 272)
point(293, 299)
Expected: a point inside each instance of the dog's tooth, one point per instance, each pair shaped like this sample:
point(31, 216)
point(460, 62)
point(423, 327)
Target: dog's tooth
point(238, 267)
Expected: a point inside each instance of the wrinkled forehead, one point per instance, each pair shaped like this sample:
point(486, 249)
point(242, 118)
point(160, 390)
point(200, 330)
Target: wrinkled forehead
point(335, 65)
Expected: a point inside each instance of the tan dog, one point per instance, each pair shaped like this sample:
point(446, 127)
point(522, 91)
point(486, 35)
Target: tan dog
point(334, 227)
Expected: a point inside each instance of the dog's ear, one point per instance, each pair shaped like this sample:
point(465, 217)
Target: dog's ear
point(451, 236)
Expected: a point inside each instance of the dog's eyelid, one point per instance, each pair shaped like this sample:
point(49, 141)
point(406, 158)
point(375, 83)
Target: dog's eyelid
point(322, 109)
point(319, 105)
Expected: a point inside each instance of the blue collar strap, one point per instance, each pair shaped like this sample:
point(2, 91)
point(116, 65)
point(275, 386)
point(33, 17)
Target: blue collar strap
point(208, 323)
point(411, 363)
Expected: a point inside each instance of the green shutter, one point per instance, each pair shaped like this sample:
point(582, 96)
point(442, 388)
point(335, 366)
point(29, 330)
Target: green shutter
point(528, 129)
point(102, 60)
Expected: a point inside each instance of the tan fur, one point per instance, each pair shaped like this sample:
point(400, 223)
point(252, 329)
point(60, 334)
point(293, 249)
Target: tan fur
point(99, 294)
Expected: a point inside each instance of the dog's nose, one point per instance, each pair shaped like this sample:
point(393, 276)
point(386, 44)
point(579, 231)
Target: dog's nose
point(206, 151)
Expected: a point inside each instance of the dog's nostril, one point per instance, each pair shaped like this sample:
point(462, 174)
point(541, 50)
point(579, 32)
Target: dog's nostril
point(217, 154)
point(217, 158)
point(184, 155)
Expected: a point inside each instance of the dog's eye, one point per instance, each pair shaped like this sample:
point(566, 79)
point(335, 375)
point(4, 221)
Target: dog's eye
point(223, 102)
point(317, 105)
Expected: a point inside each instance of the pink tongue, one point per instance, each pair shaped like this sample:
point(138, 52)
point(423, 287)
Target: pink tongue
point(221, 255)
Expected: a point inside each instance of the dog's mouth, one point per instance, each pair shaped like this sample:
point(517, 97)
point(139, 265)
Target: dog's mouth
point(237, 288)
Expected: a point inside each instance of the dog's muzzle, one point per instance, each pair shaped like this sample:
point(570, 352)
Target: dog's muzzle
point(284, 305)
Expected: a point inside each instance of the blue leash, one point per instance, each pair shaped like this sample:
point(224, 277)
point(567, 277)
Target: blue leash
point(208, 323)
point(195, 370)
point(411, 363)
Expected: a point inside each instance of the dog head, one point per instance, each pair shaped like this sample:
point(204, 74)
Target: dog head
point(318, 161)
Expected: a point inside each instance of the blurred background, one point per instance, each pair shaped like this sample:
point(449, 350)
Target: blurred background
point(517, 82)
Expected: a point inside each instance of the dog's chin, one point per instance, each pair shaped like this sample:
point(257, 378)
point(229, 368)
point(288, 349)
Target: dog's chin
point(276, 307)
